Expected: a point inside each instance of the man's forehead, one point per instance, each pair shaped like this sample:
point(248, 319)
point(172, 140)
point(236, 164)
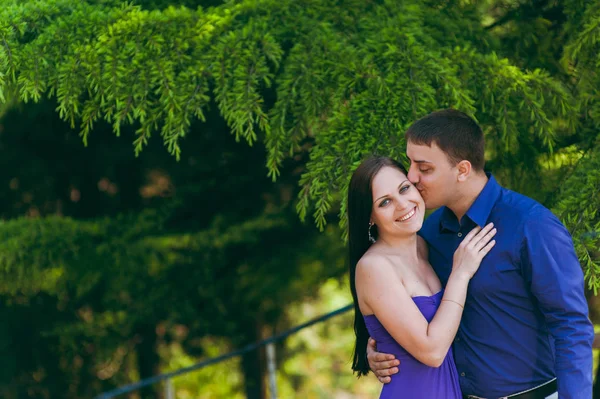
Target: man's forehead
point(422, 152)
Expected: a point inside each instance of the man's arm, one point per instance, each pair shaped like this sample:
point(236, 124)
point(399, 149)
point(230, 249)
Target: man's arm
point(551, 267)
point(382, 364)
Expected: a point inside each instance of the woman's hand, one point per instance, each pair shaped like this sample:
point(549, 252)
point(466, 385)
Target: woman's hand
point(472, 249)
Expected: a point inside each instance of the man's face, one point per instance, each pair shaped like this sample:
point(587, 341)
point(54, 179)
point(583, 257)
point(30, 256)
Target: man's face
point(432, 173)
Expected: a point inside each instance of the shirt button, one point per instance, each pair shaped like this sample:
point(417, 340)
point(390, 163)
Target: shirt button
point(460, 234)
point(462, 374)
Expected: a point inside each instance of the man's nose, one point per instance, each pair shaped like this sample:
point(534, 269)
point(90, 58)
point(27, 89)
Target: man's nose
point(413, 176)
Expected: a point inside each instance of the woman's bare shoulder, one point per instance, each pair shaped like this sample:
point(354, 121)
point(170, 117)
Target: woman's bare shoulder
point(373, 266)
point(373, 260)
point(375, 274)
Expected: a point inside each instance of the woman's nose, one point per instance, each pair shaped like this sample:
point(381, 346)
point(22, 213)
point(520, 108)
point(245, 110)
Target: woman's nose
point(401, 202)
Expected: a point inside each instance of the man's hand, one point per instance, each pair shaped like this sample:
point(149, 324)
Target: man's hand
point(382, 364)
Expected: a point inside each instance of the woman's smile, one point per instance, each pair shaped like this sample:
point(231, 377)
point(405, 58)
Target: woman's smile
point(408, 216)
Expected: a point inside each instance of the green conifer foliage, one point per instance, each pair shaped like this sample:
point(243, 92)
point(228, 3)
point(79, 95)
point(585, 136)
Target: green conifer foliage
point(344, 80)
point(318, 84)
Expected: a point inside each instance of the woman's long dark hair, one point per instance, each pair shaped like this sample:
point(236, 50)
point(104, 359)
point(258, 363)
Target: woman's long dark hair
point(360, 204)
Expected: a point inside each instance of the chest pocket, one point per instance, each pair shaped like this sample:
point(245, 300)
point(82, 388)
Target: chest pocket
point(504, 261)
point(508, 274)
point(497, 276)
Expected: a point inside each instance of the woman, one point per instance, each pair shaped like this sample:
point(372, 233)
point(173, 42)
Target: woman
point(398, 299)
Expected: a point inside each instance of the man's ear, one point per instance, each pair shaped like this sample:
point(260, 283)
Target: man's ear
point(464, 170)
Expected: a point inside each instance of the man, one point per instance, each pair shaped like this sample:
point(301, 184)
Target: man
point(525, 331)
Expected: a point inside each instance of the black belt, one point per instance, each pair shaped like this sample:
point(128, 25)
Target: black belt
point(539, 392)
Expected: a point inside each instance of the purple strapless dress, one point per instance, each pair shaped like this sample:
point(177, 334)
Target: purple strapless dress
point(416, 380)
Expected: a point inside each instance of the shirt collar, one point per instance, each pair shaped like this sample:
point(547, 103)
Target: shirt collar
point(480, 210)
point(448, 221)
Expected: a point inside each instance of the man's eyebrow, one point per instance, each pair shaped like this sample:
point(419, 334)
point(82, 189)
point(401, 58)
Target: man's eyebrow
point(417, 160)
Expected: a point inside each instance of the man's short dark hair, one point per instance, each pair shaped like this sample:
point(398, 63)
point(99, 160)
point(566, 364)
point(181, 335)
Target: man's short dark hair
point(454, 132)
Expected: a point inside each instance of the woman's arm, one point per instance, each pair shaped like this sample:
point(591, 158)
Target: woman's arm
point(382, 291)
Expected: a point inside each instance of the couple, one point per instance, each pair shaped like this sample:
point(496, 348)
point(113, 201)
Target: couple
point(520, 331)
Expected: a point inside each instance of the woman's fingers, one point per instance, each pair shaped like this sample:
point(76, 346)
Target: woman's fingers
point(470, 236)
point(487, 248)
point(485, 239)
point(481, 234)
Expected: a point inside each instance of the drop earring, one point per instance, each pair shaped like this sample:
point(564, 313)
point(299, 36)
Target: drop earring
point(371, 224)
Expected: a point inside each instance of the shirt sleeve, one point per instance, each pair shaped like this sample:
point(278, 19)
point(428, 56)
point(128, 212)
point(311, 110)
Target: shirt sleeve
point(553, 271)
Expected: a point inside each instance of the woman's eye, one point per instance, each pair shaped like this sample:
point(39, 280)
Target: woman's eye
point(384, 202)
point(424, 170)
point(403, 189)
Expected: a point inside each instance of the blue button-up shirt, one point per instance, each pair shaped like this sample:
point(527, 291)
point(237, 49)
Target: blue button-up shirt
point(526, 317)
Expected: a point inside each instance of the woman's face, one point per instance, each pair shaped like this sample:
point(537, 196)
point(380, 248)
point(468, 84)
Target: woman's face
point(398, 208)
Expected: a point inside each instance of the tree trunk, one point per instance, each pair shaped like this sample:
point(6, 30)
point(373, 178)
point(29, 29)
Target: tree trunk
point(253, 381)
point(253, 366)
point(148, 361)
point(596, 394)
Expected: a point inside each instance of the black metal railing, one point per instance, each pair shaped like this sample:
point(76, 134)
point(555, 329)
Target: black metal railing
point(254, 346)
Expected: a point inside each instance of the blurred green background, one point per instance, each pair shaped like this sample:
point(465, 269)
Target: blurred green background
point(173, 173)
